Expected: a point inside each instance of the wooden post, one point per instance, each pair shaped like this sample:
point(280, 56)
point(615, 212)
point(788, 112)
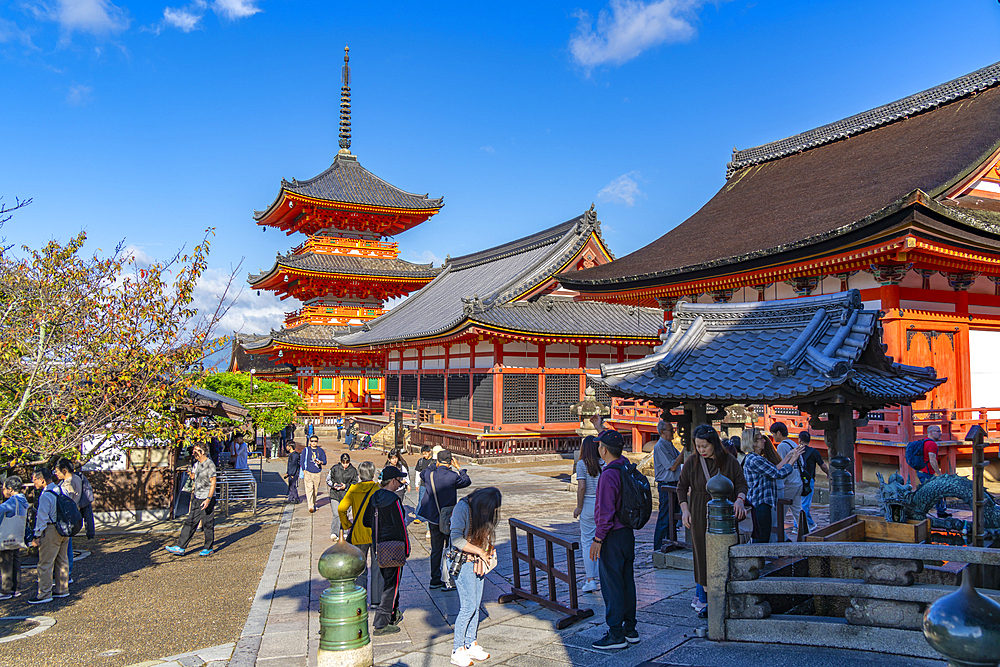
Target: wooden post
point(977, 437)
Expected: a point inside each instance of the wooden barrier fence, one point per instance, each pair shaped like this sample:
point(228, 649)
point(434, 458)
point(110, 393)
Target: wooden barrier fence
point(548, 567)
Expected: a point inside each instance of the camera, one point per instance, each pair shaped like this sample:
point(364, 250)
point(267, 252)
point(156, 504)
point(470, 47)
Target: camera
point(456, 557)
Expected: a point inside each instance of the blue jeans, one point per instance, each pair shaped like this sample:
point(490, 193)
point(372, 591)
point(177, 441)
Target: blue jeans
point(662, 516)
point(420, 497)
point(618, 581)
point(470, 595)
point(926, 477)
point(69, 555)
point(807, 502)
point(699, 590)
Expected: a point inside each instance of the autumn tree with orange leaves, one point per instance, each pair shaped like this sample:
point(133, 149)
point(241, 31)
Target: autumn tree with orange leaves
point(99, 349)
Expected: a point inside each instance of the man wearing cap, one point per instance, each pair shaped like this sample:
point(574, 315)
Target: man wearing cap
point(614, 545)
point(443, 482)
point(385, 515)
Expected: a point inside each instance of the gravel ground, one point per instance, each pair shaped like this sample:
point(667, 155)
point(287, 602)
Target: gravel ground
point(133, 597)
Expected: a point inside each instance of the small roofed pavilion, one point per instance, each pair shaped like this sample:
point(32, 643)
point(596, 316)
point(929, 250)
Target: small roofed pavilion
point(822, 354)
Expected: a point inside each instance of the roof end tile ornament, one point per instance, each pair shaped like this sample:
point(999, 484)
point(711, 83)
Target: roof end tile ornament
point(681, 349)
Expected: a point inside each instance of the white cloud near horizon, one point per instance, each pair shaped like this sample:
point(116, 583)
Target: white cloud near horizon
point(622, 190)
point(626, 28)
point(249, 313)
point(235, 9)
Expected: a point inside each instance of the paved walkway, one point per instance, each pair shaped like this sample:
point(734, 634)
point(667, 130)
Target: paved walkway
point(283, 628)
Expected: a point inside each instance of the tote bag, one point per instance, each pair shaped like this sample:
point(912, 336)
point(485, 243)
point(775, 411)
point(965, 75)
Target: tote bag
point(12, 531)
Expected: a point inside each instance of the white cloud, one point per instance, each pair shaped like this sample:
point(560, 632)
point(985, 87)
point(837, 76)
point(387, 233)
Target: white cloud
point(628, 27)
point(487, 149)
point(186, 18)
point(97, 17)
point(249, 313)
point(139, 256)
point(79, 95)
point(235, 9)
point(10, 32)
point(622, 190)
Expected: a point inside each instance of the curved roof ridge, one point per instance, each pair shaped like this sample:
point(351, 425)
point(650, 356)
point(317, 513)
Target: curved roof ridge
point(912, 105)
point(538, 239)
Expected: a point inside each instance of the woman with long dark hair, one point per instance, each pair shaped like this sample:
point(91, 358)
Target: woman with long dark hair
point(473, 537)
point(588, 469)
point(692, 489)
point(395, 459)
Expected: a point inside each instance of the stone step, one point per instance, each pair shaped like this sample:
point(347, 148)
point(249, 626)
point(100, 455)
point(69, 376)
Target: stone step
point(829, 633)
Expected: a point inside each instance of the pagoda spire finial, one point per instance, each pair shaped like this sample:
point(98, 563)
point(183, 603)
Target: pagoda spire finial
point(345, 105)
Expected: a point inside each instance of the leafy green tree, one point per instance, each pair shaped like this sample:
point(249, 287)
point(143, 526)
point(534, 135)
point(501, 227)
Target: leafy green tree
point(272, 405)
point(99, 349)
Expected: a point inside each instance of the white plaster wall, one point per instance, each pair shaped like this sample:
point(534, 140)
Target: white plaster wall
point(984, 357)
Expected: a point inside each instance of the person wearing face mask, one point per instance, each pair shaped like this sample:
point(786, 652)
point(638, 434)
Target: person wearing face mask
point(692, 489)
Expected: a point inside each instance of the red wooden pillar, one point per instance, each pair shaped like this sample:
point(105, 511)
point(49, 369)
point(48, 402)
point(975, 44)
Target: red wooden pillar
point(582, 349)
point(541, 355)
point(636, 440)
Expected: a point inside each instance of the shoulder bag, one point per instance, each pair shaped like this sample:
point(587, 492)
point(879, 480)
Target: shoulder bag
point(444, 513)
point(391, 553)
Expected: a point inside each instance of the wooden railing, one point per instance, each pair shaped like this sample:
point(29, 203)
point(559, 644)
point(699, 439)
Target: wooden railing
point(325, 245)
point(330, 315)
point(548, 568)
point(476, 445)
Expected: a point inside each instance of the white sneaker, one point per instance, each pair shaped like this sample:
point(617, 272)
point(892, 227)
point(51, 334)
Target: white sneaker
point(461, 658)
point(428, 535)
point(476, 652)
point(334, 537)
point(590, 587)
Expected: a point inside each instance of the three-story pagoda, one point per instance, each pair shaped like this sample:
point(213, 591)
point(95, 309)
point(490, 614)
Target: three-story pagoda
point(343, 273)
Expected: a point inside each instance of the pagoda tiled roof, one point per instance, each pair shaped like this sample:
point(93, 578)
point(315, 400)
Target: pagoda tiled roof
point(347, 182)
point(790, 195)
point(473, 285)
point(240, 360)
point(789, 351)
point(553, 316)
point(349, 264)
point(311, 335)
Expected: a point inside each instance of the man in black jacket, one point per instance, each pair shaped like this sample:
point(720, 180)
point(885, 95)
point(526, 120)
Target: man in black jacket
point(392, 547)
point(339, 480)
point(443, 482)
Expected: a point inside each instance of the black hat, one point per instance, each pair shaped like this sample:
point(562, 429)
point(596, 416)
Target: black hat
point(613, 439)
point(391, 472)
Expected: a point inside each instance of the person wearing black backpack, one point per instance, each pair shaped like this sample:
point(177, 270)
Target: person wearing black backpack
point(614, 545)
point(52, 545)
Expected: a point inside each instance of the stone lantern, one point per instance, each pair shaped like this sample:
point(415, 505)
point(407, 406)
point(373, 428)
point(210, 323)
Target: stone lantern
point(586, 409)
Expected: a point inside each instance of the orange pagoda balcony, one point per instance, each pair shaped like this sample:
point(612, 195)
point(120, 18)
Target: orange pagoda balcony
point(336, 315)
point(326, 245)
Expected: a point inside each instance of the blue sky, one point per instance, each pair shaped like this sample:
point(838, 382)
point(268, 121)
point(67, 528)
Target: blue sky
point(148, 121)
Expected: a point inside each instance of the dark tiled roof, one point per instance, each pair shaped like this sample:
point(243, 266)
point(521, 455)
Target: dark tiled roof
point(556, 316)
point(350, 264)
point(315, 335)
point(862, 122)
point(476, 283)
point(772, 352)
point(240, 360)
point(814, 195)
point(347, 181)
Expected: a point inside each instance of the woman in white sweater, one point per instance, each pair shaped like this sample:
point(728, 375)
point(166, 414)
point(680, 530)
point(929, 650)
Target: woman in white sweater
point(473, 534)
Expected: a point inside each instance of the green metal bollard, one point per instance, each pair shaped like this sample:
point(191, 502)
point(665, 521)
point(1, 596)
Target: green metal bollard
point(343, 609)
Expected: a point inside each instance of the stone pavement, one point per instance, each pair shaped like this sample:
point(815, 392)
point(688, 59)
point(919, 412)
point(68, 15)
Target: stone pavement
point(283, 628)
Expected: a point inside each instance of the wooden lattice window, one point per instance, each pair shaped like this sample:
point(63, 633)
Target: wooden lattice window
point(432, 392)
point(561, 391)
point(458, 396)
point(520, 398)
point(482, 398)
point(408, 392)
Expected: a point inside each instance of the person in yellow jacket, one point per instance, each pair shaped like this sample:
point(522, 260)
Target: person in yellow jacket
point(357, 533)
